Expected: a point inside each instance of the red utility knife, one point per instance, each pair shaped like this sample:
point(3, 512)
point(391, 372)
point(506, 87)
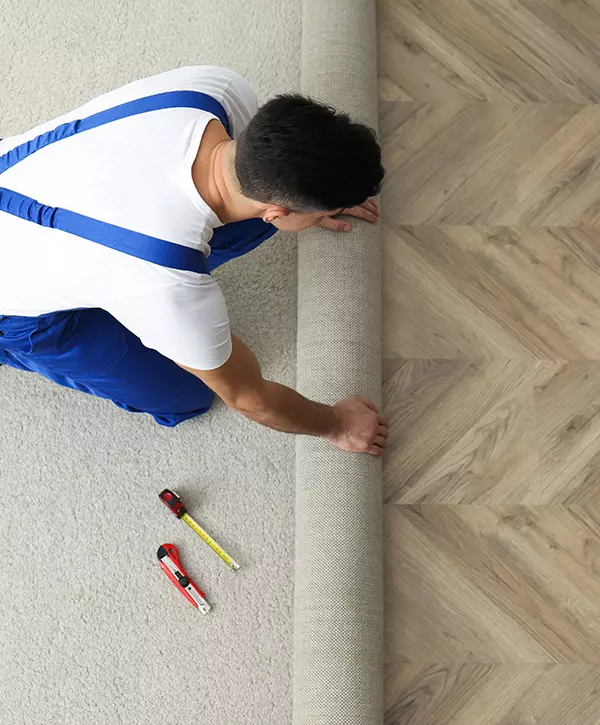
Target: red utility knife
point(168, 556)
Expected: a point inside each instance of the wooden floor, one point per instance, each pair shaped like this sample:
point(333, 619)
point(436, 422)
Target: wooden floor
point(490, 119)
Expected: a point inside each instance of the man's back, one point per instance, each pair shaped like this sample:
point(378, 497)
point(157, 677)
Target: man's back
point(136, 173)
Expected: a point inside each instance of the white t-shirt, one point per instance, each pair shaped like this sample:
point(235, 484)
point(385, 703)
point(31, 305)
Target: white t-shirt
point(135, 173)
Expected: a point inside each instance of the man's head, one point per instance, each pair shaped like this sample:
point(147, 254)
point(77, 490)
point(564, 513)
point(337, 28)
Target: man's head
point(302, 161)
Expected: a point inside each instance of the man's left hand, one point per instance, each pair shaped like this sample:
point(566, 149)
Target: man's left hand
point(369, 211)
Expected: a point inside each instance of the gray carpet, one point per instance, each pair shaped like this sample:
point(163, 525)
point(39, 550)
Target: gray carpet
point(338, 617)
point(91, 630)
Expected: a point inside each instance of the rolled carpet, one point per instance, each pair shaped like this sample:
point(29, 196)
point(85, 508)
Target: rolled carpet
point(338, 616)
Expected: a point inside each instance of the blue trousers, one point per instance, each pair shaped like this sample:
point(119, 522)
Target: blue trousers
point(89, 350)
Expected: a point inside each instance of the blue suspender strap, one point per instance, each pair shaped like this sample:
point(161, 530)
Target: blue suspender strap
point(136, 244)
point(171, 99)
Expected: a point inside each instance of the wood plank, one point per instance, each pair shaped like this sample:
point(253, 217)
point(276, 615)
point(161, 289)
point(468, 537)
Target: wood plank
point(494, 694)
point(490, 123)
point(492, 584)
point(493, 49)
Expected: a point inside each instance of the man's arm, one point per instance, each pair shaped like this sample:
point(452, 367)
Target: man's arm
point(353, 424)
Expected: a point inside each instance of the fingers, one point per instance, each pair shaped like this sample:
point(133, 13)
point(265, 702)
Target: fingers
point(381, 419)
point(373, 206)
point(370, 404)
point(380, 441)
point(369, 212)
point(377, 448)
point(381, 438)
point(336, 225)
point(362, 212)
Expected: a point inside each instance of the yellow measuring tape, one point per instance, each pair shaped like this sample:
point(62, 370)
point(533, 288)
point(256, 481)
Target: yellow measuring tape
point(194, 526)
point(176, 506)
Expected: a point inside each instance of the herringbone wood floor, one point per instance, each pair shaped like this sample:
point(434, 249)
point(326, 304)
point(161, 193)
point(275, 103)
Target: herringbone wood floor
point(490, 120)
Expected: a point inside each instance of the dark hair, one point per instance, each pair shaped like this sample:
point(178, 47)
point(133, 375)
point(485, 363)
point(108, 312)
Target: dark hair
point(305, 156)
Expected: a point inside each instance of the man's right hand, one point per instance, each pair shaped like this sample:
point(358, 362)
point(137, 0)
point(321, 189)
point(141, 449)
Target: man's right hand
point(360, 427)
point(352, 425)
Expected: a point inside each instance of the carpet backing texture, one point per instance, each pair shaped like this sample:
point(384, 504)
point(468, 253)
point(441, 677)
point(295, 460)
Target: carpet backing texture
point(338, 615)
point(91, 630)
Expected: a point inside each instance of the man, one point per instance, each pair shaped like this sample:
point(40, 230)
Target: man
point(113, 216)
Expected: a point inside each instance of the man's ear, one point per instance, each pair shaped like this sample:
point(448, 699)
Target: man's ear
point(275, 212)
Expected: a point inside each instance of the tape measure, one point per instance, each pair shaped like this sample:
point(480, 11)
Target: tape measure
point(176, 506)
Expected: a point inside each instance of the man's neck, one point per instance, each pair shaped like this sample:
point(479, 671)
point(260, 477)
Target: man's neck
point(214, 177)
